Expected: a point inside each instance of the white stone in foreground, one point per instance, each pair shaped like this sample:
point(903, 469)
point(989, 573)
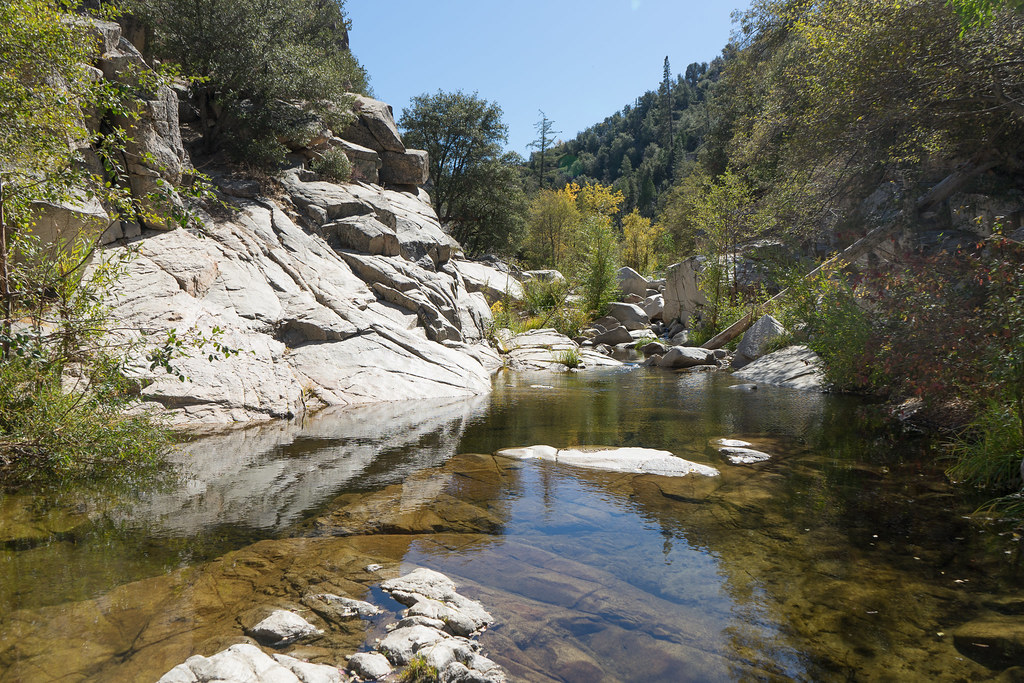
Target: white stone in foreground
point(625, 460)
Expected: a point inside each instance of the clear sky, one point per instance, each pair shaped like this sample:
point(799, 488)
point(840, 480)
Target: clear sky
point(577, 60)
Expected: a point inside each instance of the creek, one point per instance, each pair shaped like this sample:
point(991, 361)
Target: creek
point(846, 556)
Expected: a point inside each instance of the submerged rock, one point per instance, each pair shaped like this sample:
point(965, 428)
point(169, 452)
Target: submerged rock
point(625, 460)
point(994, 640)
point(743, 456)
point(337, 608)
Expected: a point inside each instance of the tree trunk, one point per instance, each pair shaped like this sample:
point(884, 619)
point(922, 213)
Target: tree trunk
point(5, 278)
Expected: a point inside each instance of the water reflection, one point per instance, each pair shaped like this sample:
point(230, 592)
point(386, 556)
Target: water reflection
point(266, 477)
point(843, 557)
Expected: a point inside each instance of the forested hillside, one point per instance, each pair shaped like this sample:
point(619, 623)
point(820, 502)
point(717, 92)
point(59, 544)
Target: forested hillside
point(642, 149)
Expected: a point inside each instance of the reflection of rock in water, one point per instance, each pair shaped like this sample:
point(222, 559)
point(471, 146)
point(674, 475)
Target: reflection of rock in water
point(266, 476)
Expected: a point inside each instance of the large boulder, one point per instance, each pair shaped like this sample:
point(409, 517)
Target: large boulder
point(796, 367)
point(756, 340)
point(683, 298)
point(654, 306)
point(375, 126)
point(619, 334)
point(632, 282)
point(366, 163)
point(630, 315)
point(411, 167)
point(687, 357)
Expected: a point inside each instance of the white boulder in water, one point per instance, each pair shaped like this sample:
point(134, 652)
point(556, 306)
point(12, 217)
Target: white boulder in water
point(625, 460)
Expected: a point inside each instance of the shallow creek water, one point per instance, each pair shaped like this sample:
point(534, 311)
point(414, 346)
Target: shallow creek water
point(844, 557)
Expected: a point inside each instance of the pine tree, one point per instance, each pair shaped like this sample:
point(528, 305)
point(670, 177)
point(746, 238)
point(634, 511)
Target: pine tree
point(546, 130)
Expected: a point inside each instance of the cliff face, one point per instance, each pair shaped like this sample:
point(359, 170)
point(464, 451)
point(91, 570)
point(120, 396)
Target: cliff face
point(331, 294)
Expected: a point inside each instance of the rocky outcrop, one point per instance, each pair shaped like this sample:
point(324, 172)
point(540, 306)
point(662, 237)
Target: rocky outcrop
point(312, 326)
point(374, 130)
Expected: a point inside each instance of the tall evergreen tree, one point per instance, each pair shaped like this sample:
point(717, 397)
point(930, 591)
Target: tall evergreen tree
point(546, 136)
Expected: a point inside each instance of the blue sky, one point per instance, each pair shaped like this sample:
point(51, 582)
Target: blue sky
point(578, 60)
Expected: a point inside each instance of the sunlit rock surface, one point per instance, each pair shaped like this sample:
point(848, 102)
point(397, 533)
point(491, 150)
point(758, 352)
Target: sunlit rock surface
point(625, 460)
point(795, 367)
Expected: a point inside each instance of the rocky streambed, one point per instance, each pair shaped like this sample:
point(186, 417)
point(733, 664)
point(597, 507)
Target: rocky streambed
point(822, 550)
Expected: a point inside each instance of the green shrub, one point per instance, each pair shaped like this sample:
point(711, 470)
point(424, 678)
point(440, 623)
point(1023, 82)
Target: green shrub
point(540, 296)
point(333, 165)
point(989, 453)
point(596, 272)
point(419, 671)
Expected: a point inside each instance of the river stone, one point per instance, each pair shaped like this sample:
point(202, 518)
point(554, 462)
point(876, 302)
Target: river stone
point(687, 357)
point(630, 315)
point(616, 335)
point(402, 644)
point(244, 663)
point(444, 652)
point(431, 594)
point(457, 672)
point(625, 460)
point(307, 672)
point(369, 665)
point(417, 620)
point(282, 627)
point(743, 456)
point(795, 367)
point(452, 619)
point(653, 348)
